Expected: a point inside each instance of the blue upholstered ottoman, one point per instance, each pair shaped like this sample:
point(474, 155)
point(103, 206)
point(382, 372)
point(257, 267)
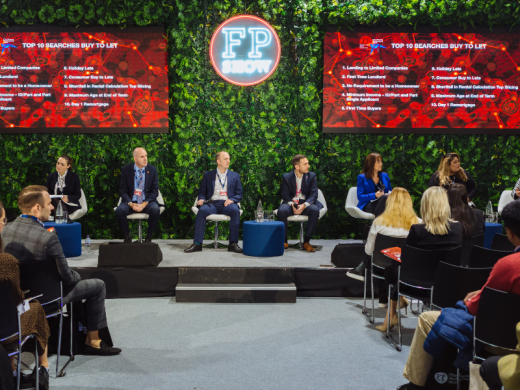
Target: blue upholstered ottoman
point(263, 239)
point(69, 235)
point(491, 230)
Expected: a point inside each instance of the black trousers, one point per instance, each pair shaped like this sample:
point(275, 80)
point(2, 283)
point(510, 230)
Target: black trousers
point(313, 212)
point(66, 207)
point(7, 380)
point(391, 278)
point(489, 372)
point(376, 207)
point(152, 209)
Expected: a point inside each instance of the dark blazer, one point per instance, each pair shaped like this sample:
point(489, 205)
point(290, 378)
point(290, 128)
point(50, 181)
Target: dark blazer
point(151, 183)
point(419, 237)
point(470, 185)
point(366, 188)
point(309, 188)
point(28, 241)
point(72, 188)
point(234, 186)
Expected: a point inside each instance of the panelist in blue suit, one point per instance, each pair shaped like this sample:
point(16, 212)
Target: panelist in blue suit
point(300, 196)
point(372, 185)
point(139, 188)
point(219, 193)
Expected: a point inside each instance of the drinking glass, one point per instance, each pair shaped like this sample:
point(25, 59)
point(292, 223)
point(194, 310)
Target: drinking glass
point(266, 215)
point(271, 217)
point(65, 215)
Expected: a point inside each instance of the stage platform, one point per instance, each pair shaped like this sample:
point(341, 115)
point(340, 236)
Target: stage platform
point(314, 274)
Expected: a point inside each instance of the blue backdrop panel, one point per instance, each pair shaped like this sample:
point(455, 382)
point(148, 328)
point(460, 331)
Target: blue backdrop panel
point(491, 229)
point(263, 239)
point(69, 235)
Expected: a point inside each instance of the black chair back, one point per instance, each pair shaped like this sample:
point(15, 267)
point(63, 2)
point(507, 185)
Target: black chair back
point(383, 242)
point(497, 317)
point(501, 243)
point(8, 312)
point(42, 278)
point(467, 247)
point(418, 266)
point(453, 283)
point(485, 258)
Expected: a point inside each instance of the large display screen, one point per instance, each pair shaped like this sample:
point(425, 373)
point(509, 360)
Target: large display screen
point(79, 81)
point(415, 82)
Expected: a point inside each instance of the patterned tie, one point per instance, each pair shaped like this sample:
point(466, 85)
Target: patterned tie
point(140, 182)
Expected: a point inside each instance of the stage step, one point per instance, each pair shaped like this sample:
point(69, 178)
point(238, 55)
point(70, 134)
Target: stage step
point(236, 275)
point(236, 293)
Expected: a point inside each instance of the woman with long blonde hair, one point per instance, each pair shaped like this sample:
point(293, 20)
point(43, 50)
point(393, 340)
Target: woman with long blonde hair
point(450, 172)
point(395, 221)
point(438, 231)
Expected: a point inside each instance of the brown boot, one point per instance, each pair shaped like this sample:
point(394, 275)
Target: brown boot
point(285, 245)
point(308, 247)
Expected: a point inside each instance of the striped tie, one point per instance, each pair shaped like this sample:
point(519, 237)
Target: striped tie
point(140, 182)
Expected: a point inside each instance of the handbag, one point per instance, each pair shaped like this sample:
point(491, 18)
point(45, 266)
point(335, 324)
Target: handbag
point(475, 380)
point(443, 374)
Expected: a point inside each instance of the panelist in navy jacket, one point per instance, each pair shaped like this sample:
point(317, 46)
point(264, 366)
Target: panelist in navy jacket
point(219, 193)
point(373, 186)
point(139, 188)
point(300, 196)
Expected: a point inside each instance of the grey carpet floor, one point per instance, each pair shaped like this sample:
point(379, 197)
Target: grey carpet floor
point(313, 344)
point(174, 256)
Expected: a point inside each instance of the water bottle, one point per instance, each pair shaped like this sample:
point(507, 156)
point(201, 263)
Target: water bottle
point(87, 244)
point(259, 212)
point(489, 212)
point(59, 213)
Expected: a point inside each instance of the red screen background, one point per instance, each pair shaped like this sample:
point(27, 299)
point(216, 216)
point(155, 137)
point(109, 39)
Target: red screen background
point(453, 87)
point(87, 88)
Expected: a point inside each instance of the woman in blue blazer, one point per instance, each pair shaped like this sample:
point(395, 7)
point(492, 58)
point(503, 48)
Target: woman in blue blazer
point(373, 185)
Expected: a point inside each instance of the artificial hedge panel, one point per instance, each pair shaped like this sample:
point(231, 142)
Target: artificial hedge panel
point(261, 127)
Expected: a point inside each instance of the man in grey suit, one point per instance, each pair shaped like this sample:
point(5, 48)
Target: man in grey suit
point(26, 239)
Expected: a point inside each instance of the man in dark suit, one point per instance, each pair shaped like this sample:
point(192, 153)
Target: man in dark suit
point(300, 196)
point(27, 239)
point(139, 188)
point(219, 193)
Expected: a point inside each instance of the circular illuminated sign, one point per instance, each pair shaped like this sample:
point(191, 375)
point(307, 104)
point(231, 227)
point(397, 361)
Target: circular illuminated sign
point(245, 50)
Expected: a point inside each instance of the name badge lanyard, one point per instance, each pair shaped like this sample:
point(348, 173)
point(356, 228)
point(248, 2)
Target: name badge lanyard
point(225, 179)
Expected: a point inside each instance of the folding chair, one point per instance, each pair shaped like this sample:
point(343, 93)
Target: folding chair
point(11, 326)
point(485, 258)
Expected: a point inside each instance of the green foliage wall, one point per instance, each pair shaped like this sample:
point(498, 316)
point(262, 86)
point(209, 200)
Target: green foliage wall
point(261, 127)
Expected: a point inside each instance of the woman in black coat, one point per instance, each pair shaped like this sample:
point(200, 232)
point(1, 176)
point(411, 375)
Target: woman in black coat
point(64, 182)
point(450, 172)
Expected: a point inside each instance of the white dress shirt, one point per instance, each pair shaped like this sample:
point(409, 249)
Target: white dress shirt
point(300, 195)
point(387, 231)
point(218, 186)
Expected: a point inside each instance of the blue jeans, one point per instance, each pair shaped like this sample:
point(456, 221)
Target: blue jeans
point(217, 207)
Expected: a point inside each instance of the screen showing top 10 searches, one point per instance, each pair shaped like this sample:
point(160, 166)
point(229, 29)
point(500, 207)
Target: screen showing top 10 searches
point(437, 82)
point(83, 81)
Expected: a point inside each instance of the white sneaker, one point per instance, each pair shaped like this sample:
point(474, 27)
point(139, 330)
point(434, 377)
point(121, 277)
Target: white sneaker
point(356, 275)
point(383, 305)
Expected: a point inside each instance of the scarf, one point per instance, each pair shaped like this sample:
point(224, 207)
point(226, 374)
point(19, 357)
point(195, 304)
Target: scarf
point(60, 184)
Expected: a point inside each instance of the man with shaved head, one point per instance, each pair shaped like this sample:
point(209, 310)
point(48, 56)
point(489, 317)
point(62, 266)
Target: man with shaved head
point(139, 188)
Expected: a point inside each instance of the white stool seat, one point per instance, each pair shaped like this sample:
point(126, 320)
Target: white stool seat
point(351, 206)
point(83, 210)
point(141, 216)
point(505, 199)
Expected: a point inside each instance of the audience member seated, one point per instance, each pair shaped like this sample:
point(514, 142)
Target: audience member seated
point(64, 182)
point(395, 221)
point(33, 321)
point(450, 172)
point(438, 231)
point(498, 371)
point(472, 219)
point(372, 185)
point(505, 276)
point(28, 241)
